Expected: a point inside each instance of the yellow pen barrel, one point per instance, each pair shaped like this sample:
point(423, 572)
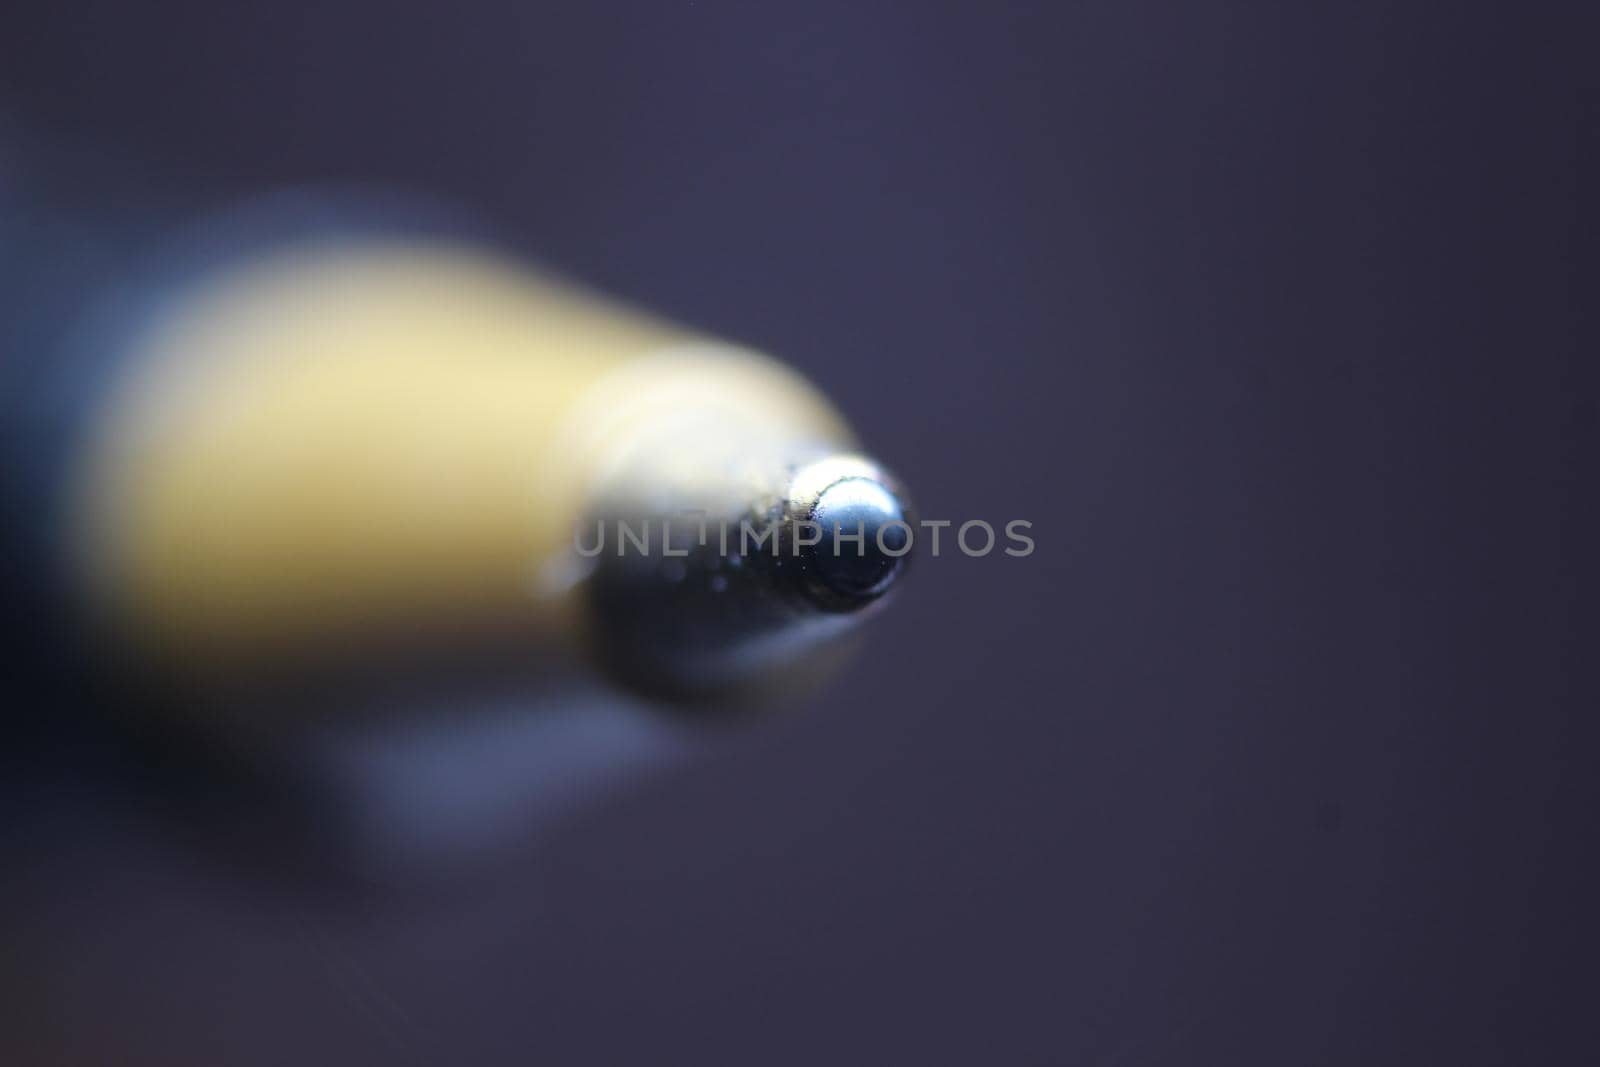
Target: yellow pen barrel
point(341, 442)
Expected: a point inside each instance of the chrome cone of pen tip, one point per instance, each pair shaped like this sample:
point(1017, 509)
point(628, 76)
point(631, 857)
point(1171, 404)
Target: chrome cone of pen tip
point(765, 607)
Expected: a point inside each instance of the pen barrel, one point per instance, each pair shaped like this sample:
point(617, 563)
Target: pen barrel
point(342, 445)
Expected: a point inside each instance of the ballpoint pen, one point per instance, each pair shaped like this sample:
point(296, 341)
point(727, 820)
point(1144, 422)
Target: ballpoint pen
point(344, 444)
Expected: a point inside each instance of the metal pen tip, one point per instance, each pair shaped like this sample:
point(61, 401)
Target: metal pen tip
point(865, 537)
point(753, 600)
point(860, 537)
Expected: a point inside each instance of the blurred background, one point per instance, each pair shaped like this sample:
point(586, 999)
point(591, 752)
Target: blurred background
point(1275, 750)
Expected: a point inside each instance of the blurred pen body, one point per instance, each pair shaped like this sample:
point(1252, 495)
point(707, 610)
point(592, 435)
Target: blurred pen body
point(338, 448)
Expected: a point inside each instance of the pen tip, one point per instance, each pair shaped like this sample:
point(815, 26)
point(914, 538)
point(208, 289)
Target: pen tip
point(858, 569)
point(728, 617)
